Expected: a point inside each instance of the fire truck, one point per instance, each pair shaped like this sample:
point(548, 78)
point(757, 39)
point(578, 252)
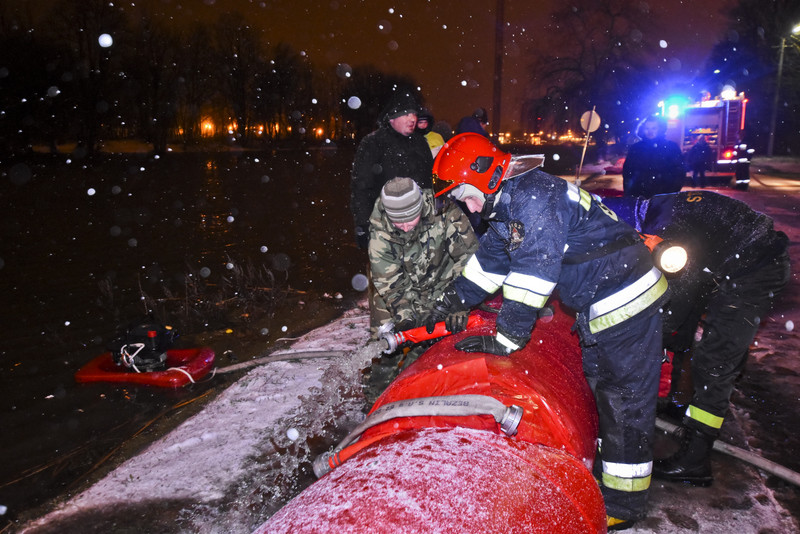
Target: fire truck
point(721, 121)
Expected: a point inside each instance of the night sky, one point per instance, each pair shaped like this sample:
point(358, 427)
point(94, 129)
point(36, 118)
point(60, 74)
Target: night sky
point(447, 45)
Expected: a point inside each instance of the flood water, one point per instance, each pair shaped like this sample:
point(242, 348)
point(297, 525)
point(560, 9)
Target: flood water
point(82, 242)
point(87, 246)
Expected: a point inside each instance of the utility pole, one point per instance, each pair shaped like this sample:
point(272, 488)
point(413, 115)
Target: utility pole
point(498, 68)
point(771, 141)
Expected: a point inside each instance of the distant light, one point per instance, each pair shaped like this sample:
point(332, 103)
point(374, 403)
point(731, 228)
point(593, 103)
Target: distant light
point(796, 29)
point(105, 40)
point(728, 93)
point(91, 191)
point(463, 83)
point(662, 43)
point(673, 111)
point(716, 71)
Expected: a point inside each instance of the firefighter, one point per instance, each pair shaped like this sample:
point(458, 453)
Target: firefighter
point(738, 264)
point(547, 234)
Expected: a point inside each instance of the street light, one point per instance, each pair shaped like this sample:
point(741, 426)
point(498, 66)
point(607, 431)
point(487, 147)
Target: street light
point(771, 142)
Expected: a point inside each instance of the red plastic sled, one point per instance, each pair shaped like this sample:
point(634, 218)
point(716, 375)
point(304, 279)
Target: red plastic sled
point(184, 366)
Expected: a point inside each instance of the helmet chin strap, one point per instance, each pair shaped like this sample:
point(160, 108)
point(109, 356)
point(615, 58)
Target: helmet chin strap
point(488, 205)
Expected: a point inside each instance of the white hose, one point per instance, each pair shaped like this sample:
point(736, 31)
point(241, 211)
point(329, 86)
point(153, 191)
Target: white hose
point(451, 406)
point(277, 356)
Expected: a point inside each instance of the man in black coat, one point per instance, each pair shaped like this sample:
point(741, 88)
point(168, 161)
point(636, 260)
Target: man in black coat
point(394, 150)
point(654, 165)
point(738, 263)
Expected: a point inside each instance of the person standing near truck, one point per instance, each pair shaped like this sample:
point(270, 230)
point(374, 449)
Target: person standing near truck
point(654, 165)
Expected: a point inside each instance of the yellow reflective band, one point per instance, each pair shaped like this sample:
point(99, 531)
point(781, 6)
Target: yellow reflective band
point(625, 295)
point(626, 484)
point(489, 282)
point(576, 194)
point(523, 296)
point(530, 282)
point(586, 200)
point(702, 416)
point(630, 309)
point(527, 289)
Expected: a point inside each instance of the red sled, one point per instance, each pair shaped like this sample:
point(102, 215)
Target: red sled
point(184, 366)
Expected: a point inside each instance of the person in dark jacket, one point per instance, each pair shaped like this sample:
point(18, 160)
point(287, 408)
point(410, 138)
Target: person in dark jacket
point(547, 234)
point(394, 149)
point(475, 123)
point(698, 159)
point(738, 264)
point(653, 165)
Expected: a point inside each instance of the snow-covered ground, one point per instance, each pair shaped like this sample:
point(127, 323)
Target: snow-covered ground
point(231, 466)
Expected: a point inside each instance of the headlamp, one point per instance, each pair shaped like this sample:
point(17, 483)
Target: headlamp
point(670, 258)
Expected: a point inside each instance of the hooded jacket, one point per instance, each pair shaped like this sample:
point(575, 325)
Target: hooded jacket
point(411, 269)
point(385, 154)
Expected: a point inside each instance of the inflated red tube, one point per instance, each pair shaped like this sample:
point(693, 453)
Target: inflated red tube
point(438, 473)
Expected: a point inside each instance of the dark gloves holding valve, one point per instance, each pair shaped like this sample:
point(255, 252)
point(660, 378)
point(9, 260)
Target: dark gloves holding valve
point(500, 345)
point(449, 309)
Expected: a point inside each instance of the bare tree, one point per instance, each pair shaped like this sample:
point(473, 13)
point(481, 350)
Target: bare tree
point(239, 48)
point(595, 57)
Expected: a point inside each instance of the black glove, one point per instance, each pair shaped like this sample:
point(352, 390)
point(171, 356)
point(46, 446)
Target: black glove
point(449, 304)
point(405, 324)
point(489, 344)
point(457, 322)
point(362, 237)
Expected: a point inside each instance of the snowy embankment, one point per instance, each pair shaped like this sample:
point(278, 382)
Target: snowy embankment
point(244, 455)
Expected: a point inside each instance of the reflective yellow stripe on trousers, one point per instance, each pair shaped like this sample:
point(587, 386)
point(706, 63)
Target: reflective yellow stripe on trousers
point(627, 477)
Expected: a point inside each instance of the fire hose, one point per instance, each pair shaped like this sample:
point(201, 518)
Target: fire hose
point(746, 456)
point(508, 417)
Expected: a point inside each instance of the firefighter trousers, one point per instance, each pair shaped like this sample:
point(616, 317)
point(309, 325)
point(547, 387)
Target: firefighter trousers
point(623, 370)
point(733, 314)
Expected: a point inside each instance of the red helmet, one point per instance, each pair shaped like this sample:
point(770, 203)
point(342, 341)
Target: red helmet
point(471, 159)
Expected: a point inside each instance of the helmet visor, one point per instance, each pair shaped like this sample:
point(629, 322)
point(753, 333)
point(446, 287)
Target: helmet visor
point(524, 163)
point(440, 185)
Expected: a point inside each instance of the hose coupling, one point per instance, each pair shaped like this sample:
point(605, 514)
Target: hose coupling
point(511, 419)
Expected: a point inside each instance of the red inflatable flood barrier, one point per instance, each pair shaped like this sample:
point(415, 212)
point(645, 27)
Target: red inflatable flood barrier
point(184, 366)
point(443, 473)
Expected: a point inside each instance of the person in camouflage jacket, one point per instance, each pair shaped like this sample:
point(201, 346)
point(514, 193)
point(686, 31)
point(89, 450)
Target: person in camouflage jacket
point(411, 263)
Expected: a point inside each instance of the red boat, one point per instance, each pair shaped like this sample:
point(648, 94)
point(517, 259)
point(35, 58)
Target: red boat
point(467, 443)
point(184, 366)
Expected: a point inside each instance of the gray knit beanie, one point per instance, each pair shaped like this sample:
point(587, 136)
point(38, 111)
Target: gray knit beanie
point(402, 200)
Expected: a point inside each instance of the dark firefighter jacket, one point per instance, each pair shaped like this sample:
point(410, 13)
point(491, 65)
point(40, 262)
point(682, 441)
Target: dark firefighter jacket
point(724, 239)
point(548, 234)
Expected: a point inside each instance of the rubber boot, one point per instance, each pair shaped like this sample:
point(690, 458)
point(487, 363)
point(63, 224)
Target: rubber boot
point(691, 464)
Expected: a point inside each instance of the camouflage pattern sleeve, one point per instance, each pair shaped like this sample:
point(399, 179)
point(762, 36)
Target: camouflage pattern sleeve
point(461, 239)
point(388, 275)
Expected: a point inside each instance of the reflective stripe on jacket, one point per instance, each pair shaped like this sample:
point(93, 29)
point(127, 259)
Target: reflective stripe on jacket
point(538, 219)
